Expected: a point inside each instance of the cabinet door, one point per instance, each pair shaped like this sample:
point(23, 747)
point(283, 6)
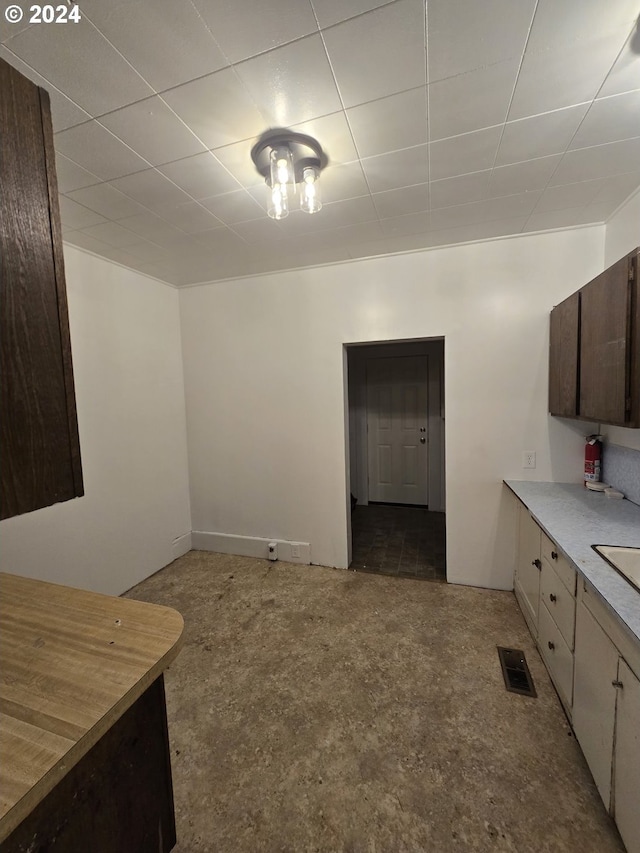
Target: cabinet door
point(594, 698)
point(40, 452)
point(527, 580)
point(605, 346)
point(563, 358)
point(626, 797)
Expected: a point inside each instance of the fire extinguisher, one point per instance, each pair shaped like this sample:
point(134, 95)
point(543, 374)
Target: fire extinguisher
point(592, 459)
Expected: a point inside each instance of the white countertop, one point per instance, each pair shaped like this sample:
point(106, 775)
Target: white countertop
point(576, 518)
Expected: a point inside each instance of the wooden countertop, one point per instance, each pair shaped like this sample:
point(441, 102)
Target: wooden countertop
point(71, 663)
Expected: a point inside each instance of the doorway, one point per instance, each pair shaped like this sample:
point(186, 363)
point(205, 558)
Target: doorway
point(395, 395)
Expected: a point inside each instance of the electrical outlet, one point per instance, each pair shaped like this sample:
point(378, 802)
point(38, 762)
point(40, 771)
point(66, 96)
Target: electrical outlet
point(295, 551)
point(529, 459)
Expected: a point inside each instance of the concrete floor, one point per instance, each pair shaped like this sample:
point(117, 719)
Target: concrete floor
point(315, 709)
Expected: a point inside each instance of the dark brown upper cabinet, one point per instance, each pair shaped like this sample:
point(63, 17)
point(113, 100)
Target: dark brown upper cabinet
point(39, 446)
point(594, 349)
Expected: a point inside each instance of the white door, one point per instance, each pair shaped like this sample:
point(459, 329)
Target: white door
point(397, 429)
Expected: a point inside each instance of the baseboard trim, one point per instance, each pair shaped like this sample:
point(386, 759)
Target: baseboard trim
point(181, 544)
point(251, 546)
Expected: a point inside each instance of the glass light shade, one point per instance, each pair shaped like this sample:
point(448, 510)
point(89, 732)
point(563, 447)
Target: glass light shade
point(281, 166)
point(309, 195)
point(278, 202)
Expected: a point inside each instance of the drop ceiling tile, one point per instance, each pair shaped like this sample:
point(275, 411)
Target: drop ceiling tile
point(247, 27)
point(71, 176)
point(113, 234)
point(74, 215)
point(617, 187)
point(9, 31)
point(379, 53)
point(338, 183)
point(398, 169)
point(569, 195)
point(217, 108)
point(398, 121)
point(373, 248)
point(200, 176)
point(262, 230)
point(153, 130)
point(460, 190)
point(342, 237)
point(334, 135)
point(601, 211)
point(412, 223)
point(237, 160)
point(480, 211)
point(98, 151)
point(563, 77)
point(151, 227)
point(151, 189)
point(566, 218)
point(291, 84)
point(609, 120)
point(493, 30)
point(107, 80)
point(64, 113)
point(223, 241)
point(190, 217)
point(473, 233)
point(149, 252)
point(238, 206)
point(537, 136)
point(107, 201)
point(601, 161)
point(623, 77)
point(340, 214)
point(86, 241)
point(167, 46)
point(471, 101)
point(523, 177)
point(331, 12)
point(558, 23)
point(403, 201)
point(471, 152)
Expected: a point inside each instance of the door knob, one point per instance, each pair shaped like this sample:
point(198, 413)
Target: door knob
point(422, 439)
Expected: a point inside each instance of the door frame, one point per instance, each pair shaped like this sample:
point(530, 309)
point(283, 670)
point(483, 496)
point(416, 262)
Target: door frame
point(355, 355)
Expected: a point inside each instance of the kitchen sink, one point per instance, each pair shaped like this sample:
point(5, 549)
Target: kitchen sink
point(625, 560)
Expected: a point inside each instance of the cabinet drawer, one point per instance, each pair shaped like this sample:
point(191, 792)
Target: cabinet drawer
point(564, 569)
point(556, 655)
point(559, 602)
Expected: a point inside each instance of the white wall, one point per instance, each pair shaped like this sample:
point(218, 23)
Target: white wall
point(264, 380)
point(622, 235)
point(125, 338)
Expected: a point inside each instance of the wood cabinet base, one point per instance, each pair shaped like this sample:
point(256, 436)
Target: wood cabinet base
point(117, 799)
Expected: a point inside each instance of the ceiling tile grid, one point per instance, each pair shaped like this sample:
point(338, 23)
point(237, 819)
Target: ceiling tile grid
point(444, 121)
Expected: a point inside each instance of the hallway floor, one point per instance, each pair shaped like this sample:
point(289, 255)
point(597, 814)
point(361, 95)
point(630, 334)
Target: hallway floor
point(315, 709)
point(398, 540)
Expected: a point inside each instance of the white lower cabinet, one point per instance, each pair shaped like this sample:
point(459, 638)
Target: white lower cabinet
point(594, 698)
point(528, 567)
point(545, 586)
point(557, 656)
point(626, 758)
point(594, 665)
point(606, 712)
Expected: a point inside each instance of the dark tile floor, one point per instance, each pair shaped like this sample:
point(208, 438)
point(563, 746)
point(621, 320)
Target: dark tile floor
point(399, 540)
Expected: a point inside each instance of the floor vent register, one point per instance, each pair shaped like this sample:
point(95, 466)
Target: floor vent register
point(517, 678)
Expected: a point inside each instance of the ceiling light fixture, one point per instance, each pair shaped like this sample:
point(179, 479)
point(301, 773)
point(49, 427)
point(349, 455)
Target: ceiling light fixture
point(285, 158)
